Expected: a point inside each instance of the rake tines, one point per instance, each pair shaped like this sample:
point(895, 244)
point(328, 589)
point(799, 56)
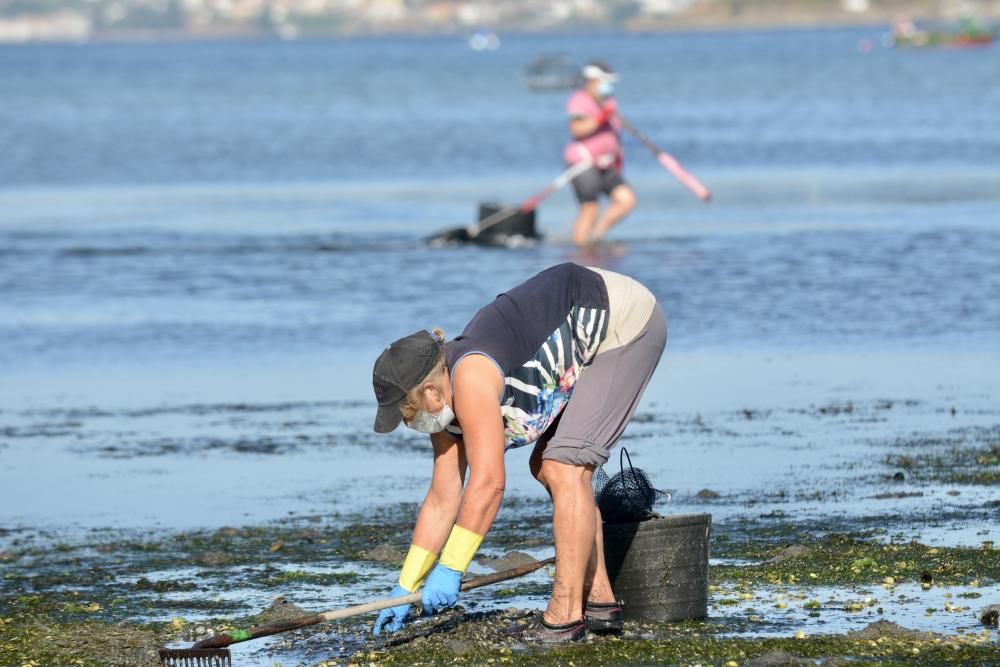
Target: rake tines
point(195, 657)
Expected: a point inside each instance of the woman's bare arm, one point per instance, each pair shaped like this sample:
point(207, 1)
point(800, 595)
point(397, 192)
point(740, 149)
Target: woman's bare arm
point(478, 386)
point(444, 497)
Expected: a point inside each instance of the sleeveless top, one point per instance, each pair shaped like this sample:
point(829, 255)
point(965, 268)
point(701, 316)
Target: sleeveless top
point(602, 146)
point(542, 334)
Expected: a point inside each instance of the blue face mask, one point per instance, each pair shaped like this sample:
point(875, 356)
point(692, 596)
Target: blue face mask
point(605, 88)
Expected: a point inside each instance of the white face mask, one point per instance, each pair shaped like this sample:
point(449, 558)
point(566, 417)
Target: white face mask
point(425, 422)
point(605, 88)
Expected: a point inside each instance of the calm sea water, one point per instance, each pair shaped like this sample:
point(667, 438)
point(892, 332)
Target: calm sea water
point(432, 108)
point(191, 199)
point(187, 225)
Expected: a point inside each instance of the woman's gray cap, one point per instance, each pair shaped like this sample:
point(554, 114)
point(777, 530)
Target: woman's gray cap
point(400, 368)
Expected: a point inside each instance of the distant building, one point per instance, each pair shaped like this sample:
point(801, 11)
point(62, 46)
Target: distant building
point(61, 26)
point(662, 7)
point(856, 6)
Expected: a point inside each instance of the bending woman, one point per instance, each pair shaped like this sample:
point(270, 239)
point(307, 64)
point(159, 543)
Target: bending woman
point(559, 361)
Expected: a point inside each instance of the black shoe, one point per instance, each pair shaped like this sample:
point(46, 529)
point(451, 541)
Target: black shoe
point(536, 629)
point(604, 617)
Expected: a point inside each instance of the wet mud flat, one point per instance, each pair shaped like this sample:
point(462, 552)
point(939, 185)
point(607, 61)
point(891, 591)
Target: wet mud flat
point(880, 552)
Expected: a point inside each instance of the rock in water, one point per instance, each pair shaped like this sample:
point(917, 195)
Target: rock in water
point(792, 551)
point(459, 647)
point(990, 615)
point(281, 609)
point(507, 561)
point(216, 559)
point(880, 629)
point(777, 659)
point(386, 553)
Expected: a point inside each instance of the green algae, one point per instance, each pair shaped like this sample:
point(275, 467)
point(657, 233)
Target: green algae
point(713, 651)
point(76, 592)
point(270, 579)
point(487, 639)
point(848, 560)
point(39, 641)
point(836, 559)
point(968, 458)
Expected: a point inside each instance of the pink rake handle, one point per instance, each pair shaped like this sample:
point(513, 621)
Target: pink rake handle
point(560, 180)
point(530, 204)
point(689, 181)
point(669, 163)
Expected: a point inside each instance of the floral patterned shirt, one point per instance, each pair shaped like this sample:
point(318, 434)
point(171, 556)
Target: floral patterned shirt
point(541, 335)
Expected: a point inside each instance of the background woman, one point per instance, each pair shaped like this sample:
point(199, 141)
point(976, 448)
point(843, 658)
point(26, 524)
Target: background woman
point(594, 126)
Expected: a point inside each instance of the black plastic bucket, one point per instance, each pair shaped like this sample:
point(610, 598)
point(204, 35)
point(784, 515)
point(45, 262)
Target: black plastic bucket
point(499, 230)
point(659, 567)
point(511, 229)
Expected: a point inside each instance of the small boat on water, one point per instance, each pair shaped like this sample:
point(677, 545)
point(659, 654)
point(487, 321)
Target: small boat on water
point(969, 35)
point(555, 71)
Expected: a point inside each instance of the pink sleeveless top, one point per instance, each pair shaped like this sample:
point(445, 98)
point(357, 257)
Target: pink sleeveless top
point(602, 147)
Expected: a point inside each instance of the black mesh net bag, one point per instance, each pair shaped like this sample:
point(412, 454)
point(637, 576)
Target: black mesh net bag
point(628, 495)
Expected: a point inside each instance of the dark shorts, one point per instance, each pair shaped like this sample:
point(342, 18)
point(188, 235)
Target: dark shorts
point(594, 181)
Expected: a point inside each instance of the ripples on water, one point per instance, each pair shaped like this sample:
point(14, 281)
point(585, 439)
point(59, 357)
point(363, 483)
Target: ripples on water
point(183, 201)
point(733, 274)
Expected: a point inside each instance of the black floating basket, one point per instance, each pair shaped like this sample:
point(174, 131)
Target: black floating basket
point(517, 223)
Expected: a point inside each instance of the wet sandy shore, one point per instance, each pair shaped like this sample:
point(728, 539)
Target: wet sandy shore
point(876, 504)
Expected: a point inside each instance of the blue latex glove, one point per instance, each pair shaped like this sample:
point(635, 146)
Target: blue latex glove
point(393, 618)
point(441, 589)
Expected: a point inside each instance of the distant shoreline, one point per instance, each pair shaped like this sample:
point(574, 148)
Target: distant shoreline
point(164, 37)
point(755, 21)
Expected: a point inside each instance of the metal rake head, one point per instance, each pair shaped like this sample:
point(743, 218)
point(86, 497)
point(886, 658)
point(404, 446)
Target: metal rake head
point(195, 657)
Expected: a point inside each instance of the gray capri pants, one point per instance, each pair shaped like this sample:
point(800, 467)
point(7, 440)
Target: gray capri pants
point(608, 390)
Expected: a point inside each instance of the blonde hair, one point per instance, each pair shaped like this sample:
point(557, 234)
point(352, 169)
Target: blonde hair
point(414, 400)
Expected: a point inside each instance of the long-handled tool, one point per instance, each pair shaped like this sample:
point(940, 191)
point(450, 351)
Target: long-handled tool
point(211, 652)
point(466, 234)
point(669, 162)
point(531, 203)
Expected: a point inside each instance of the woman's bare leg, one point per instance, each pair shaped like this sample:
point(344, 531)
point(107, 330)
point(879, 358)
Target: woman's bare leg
point(574, 527)
point(585, 220)
point(623, 200)
point(597, 585)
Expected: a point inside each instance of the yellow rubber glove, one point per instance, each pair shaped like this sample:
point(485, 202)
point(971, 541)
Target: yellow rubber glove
point(461, 547)
point(415, 568)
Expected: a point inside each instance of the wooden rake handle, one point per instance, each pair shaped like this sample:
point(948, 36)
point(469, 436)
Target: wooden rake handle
point(236, 636)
